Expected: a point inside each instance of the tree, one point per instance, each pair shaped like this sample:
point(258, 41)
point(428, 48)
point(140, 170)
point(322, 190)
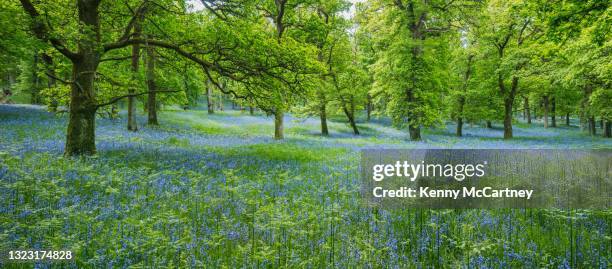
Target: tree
point(583, 28)
point(283, 15)
point(411, 67)
point(461, 89)
point(349, 79)
point(85, 56)
point(239, 59)
point(132, 125)
point(324, 29)
point(511, 28)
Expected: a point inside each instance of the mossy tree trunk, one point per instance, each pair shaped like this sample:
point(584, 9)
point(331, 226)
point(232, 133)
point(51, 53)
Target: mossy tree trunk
point(80, 137)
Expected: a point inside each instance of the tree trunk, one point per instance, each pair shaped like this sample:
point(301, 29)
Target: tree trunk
point(567, 119)
point(369, 107)
point(415, 24)
point(546, 108)
point(220, 102)
point(114, 112)
point(350, 115)
point(553, 112)
point(132, 125)
point(586, 120)
point(592, 127)
point(459, 126)
point(527, 111)
point(608, 129)
point(489, 124)
point(152, 96)
point(508, 118)
point(80, 136)
point(508, 102)
point(415, 132)
point(351, 118)
point(48, 61)
point(35, 90)
point(466, 78)
point(278, 124)
point(251, 110)
point(354, 124)
point(460, 116)
point(210, 104)
point(601, 123)
point(323, 114)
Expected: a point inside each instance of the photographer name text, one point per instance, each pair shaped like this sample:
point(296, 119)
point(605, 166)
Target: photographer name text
point(465, 192)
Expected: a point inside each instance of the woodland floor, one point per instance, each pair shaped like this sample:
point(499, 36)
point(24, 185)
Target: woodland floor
point(218, 191)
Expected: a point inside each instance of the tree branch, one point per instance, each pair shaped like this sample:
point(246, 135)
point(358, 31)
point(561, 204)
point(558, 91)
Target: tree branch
point(42, 32)
point(115, 99)
point(67, 82)
point(115, 58)
point(137, 15)
point(218, 86)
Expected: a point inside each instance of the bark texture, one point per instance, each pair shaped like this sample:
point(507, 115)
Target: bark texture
point(80, 136)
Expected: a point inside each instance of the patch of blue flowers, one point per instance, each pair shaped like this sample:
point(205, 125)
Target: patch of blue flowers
point(177, 197)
